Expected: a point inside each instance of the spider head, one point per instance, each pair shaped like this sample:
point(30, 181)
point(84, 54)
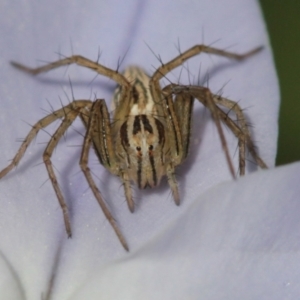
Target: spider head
point(143, 145)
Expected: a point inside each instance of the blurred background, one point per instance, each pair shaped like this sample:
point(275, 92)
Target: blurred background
point(283, 22)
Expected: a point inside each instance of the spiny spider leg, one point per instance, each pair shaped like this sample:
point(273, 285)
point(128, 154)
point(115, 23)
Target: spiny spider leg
point(61, 113)
point(244, 139)
point(78, 60)
point(104, 148)
point(87, 63)
point(196, 50)
point(183, 106)
point(179, 60)
point(204, 95)
point(69, 113)
point(67, 121)
point(239, 128)
point(91, 132)
point(243, 129)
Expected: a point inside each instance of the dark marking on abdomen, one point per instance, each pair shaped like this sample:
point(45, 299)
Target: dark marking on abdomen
point(136, 125)
point(147, 125)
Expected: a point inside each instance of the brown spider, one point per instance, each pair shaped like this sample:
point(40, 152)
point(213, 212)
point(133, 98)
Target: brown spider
point(150, 132)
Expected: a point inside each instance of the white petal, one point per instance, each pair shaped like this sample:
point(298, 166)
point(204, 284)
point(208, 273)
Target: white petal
point(240, 240)
point(31, 224)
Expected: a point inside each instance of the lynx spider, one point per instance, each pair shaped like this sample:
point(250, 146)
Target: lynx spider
point(150, 132)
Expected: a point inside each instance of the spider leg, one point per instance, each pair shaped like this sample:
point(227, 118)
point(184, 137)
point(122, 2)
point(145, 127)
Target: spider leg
point(69, 113)
point(180, 59)
point(236, 130)
point(92, 130)
point(170, 172)
point(67, 121)
point(103, 145)
point(244, 127)
point(124, 85)
point(36, 128)
point(172, 123)
point(78, 60)
point(205, 96)
point(183, 106)
point(240, 130)
point(128, 192)
point(176, 146)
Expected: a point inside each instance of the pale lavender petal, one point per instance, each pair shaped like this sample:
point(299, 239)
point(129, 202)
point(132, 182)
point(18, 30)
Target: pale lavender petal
point(33, 238)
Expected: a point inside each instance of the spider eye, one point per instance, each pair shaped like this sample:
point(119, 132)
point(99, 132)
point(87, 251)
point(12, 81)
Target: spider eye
point(151, 147)
point(138, 148)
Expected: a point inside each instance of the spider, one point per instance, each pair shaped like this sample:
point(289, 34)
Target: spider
point(149, 134)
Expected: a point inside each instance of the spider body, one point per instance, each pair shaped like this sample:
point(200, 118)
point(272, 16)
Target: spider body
point(149, 133)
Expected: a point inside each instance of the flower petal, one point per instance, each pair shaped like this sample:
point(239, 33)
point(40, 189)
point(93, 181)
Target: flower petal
point(32, 230)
